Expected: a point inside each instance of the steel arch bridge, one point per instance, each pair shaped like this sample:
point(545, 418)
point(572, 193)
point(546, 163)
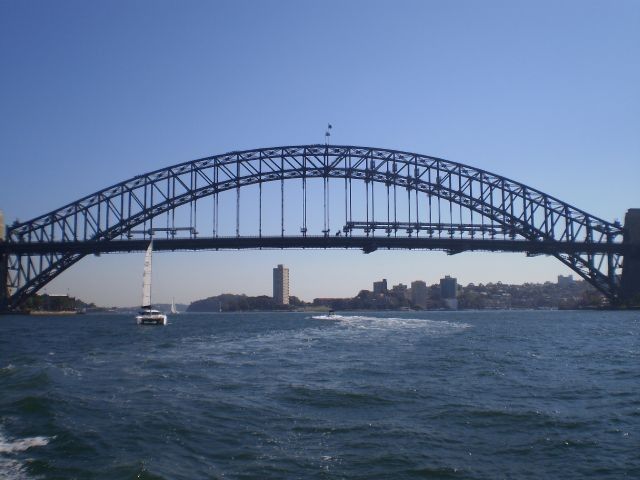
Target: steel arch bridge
point(443, 205)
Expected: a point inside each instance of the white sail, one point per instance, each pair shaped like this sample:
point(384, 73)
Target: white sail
point(173, 306)
point(146, 278)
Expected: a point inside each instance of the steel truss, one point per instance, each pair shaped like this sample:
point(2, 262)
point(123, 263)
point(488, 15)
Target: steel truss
point(490, 207)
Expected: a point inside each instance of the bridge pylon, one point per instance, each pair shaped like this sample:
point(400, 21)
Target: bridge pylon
point(630, 284)
point(4, 283)
point(4, 271)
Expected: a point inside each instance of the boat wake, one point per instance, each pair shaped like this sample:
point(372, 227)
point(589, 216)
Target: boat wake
point(386, 323)
point(335, 318)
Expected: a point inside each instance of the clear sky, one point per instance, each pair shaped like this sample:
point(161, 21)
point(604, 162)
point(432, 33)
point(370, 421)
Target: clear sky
point(92, 93)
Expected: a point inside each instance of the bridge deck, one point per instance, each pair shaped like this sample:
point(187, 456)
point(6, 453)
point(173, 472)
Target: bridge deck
point(367, 244)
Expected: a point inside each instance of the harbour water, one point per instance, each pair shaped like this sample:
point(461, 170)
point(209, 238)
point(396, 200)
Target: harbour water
point(468, 395)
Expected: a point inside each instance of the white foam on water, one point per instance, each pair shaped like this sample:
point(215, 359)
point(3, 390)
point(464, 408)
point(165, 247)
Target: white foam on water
point(335, 318)
point(22, 444)
point(10, 468)
point(71, 372)
point(386, 323)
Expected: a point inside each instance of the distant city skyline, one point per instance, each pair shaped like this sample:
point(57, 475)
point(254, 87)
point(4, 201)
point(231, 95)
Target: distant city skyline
point(542, 92)
point(416, 290)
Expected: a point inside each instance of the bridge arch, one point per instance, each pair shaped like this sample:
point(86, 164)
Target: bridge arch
point(38, 250)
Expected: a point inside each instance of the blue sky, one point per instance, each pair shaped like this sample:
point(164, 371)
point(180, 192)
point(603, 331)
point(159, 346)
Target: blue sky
point(93, 93)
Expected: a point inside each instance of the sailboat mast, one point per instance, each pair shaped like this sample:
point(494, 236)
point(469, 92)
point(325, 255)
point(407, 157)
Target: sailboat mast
point(146, 278)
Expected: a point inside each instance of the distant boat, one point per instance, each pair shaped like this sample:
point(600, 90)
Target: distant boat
point(147, 315)
point(174, 311)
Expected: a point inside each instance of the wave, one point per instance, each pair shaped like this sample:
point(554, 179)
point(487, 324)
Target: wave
point(335, 318)
point(333, 397)
point(22, 444)
point(7, 371)
point(33, 405)
point(10, 468)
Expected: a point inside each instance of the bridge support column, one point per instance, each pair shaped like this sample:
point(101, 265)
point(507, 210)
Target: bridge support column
point(4, 282)
point(4, 271)
point(630, 284)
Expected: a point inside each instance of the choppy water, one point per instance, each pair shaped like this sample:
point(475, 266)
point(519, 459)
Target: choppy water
point(468, 395)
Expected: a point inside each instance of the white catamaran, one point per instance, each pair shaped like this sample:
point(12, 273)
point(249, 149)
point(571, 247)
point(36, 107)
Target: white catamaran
point(147, 315)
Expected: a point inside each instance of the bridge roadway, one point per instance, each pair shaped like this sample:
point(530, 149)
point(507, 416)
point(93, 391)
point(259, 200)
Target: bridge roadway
point(367, 244)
